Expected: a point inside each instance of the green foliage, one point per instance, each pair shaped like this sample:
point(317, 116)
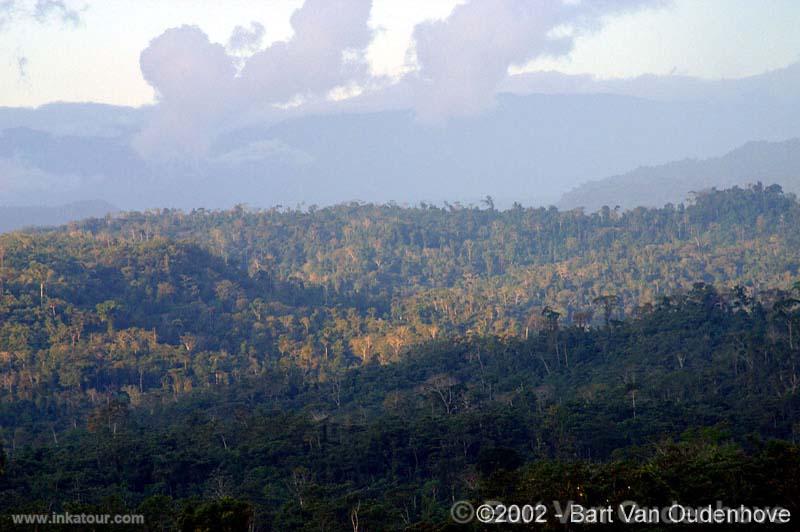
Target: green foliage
point(223, 515)
point(370, 364)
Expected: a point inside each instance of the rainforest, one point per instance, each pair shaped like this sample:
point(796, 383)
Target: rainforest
point(367, 366)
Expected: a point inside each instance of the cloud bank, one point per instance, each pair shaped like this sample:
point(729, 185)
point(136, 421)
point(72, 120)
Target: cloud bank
point(204, 88)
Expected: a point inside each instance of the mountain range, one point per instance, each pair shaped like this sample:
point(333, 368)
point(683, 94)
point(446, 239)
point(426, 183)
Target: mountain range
point(674, 182)
point(529, 148)
point(547, 134)
point(18, 217)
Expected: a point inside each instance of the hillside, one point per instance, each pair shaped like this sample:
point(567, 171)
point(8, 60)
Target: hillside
point(694, 401)
point(652, 186)
point(287, 368)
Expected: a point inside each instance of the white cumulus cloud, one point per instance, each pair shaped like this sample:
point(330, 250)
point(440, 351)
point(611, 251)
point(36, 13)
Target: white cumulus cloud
point(461, 62)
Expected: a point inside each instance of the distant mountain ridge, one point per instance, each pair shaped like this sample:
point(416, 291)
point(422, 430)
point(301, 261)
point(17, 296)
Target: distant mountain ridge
point(652, 186)
point(17, 217)
point(527, 148)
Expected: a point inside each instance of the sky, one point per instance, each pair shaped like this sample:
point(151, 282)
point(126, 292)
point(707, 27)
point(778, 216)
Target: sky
point(287, 101)
point(89, 51)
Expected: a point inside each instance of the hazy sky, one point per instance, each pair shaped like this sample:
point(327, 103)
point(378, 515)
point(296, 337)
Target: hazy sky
point(52, 50)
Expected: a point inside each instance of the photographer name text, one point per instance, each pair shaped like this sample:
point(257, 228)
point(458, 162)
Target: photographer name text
point(628, 512)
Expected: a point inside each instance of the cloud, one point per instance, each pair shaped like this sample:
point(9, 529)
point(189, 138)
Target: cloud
point(200, 90)
point(326, 50)
point(40, 10)
point(463, 59)
point(246, 40)
point(185, 68)
point(7, 8)
point(205, 88)
point(68, 14)
point(193, 79)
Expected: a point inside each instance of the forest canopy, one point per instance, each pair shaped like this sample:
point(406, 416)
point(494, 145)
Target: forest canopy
point(289, 367)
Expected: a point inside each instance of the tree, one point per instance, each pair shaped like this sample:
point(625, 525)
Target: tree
point(362, 347)
point(442, 386)
point(583, 318)
point(225, 515)
point(109, 416)
point(159, 512)
point(40, 274)
point(608, 303)
point(2, 270)
point(106, 311)
point(551, 316)
point(398, 339)
point(299, 482)
point(787, 309)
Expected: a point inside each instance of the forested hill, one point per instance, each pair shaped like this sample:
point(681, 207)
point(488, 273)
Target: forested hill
point(169, 300)
point(386, 256)
point(697, 400)
point(383, 340)
point(349, 284)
